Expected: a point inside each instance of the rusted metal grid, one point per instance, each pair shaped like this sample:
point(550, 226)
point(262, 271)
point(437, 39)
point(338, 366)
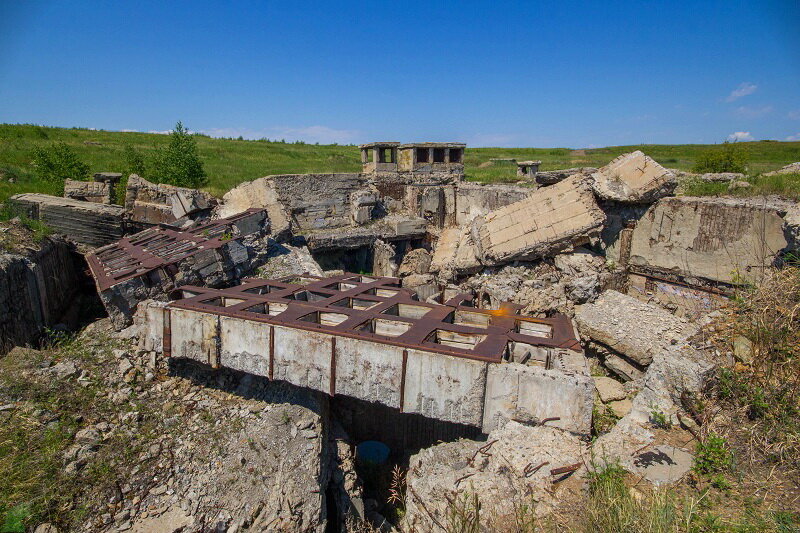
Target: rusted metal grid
point(158, 247)
point(378, 310)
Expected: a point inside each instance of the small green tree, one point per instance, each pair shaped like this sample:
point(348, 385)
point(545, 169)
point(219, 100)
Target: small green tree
point(58, 162)
point(730, 157)
point(179, 163)
point(134, 161)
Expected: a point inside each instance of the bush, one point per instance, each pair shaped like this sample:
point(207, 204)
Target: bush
point(134, 161)
point(712, 455)
point(178, 163)
point(58, 162)
point(730, 157)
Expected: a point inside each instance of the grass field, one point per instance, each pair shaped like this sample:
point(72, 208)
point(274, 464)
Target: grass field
point(230, 162)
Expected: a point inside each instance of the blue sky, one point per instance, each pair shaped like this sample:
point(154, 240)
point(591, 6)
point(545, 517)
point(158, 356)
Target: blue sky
point(487, 73)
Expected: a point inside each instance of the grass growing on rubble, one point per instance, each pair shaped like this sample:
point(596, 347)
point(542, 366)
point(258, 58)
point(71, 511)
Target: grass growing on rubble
point(766, 390)
point(35, 432)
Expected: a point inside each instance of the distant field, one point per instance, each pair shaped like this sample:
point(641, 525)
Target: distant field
point(230, 162)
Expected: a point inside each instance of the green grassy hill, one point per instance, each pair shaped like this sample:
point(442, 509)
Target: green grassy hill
point(230, 162)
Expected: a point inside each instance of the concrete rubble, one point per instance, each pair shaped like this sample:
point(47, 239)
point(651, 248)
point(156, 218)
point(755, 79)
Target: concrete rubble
point(629, 327)
point(152, 203)
point(633, 178)
point(505, 476)
point(156, 261)
point(792, 168)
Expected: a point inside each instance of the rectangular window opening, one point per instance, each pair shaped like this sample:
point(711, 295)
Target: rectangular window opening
point(455, 155)
point(438, 155)
point(422, 155)
point(325, 319)
point(386, 155)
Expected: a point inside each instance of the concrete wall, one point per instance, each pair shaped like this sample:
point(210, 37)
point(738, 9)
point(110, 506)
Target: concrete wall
point(720, 239)
point(36, 290)
point(474, 200)
point(532, 393)
point(436, 386)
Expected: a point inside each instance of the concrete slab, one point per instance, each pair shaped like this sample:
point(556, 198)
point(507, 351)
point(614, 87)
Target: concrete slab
point(633, 178)
point(662, 465)
point(551, 220)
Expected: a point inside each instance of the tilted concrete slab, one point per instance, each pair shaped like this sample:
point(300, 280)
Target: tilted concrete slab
point(455, 252)
point(633, 178)
point(721, 239)
point(628, 326)
point(551, 220)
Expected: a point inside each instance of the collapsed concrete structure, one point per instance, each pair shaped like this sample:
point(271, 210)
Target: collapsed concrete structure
point(154, 262)
point(156, 203)
point(101, 190)
point(367, 338)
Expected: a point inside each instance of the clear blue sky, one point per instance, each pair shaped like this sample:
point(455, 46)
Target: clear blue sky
point(487, 73)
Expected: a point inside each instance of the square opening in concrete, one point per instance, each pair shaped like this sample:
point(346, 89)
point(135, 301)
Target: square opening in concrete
point(407, 311)
point(465, 341)
point(385, 293)
point(355, 303)
point(323, 318)
point(468, 318)
point(455, 155)
point(438, 155)
point(271, 309)
point(222, 301)
point(308, 296)
point(534, 329)
point(264, 289)
point(422, 155)
point(341, 286)
point(527, 354)
point(387, 328)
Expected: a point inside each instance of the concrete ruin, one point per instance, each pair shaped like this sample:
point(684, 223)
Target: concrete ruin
point(528, 169)
point(414, 162)
point(151, 203)
point(89, 223)
point(101, 190)
point(549, 221)
point(154, 262)
point(633, 178)
point(367, 338)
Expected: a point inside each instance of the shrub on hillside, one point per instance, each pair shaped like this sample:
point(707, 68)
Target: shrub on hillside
point(178, 163)
point(730, 157)
point(58, 162)
point(134, 161)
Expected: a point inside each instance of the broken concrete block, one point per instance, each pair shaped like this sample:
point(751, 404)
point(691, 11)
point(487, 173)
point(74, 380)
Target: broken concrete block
point(633, 178)
point(455, 253)
point(87, 223)
point(158, 203)
point(621, 368)
point(503, 476)
point(88, 191)
point(474, 200)
point(531, 393)
point(609, 389)
point(720, 239)
point(662, 465)
point(551, 220)
point(620, 408)
point(407, 226)
point(260, 193)
point(629, 326)
point(384, 259)
point(791, 168)
point(417, 261)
